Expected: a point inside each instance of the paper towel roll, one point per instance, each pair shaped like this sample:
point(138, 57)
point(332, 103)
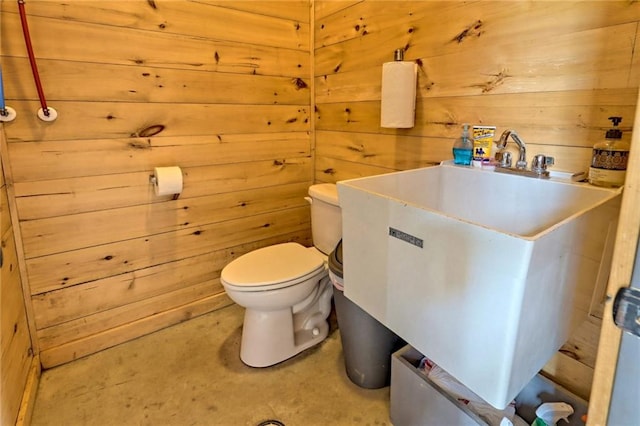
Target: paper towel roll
point(168, 180)
point(398, 109)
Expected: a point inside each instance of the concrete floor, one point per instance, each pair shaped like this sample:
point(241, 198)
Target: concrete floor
point(191, 374)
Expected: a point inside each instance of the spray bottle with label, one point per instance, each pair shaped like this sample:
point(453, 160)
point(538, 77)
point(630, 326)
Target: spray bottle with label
point(549, 413)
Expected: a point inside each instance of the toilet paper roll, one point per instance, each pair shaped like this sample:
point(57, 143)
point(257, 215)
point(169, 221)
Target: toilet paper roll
point(168, 180)
point(398, 106)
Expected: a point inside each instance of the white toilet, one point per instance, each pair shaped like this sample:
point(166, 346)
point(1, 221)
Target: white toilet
point(285, 288)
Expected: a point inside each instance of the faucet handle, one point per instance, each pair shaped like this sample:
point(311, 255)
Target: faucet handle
point(504, 158)
point(540, 162)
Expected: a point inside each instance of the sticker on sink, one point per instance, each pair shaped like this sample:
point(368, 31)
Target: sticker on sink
point(396, 233)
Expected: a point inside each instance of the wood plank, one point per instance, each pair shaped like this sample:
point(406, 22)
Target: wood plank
point(97, 157)
point(74, 41)
point(16, 239)
point(58, 197)
point(30, 393)
point(17, 388)
point(634, 76)
point(67, 81)
point(96, 322)
point(567, 123)
point(365, 20)
point(325, 8)
point(599, 297)
point(567, 158)
point(596, 59)
point(63, 233)
point(216, 179)
point(112, 337)
point(388, 151)
point(220, 23)
point(195, 19)
point(544, 115)
point(70, 303)
point(122, 120)
point(445, 27)
point(570, 373)
point(294, 10)
point(5, 215)
point(56, 271)
point(582, 346)
point(332, 170)
point(15, 341)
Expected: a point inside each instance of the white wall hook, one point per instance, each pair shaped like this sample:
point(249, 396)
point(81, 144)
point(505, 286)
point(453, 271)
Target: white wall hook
point(53, 114)
point(10, 114)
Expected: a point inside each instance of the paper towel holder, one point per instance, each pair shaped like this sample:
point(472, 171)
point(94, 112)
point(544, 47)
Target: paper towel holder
point(398, 55)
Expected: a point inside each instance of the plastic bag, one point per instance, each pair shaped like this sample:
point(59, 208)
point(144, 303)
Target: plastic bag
point(453, 387)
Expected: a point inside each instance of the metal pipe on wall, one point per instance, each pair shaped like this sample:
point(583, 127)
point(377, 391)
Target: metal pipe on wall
point(45, 113)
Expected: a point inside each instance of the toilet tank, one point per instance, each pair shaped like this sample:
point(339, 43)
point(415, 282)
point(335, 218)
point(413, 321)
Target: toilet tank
point(326, 217)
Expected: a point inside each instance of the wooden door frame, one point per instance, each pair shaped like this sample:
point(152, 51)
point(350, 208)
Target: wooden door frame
point(624, 254)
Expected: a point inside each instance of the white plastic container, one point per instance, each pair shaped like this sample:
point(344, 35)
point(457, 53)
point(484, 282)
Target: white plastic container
point(416, 400)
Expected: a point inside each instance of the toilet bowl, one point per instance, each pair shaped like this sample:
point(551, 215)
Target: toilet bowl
point(286, 292)
point(285, 288)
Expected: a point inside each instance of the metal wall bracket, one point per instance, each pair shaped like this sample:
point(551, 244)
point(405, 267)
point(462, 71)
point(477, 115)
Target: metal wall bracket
point(626, 310)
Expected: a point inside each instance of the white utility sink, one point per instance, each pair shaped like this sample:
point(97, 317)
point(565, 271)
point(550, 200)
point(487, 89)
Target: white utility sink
point(485, 273)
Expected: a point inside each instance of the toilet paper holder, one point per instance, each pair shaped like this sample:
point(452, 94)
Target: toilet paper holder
point(153, 181)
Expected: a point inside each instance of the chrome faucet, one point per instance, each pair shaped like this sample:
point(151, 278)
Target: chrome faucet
point(538, 165)
point(522, 158)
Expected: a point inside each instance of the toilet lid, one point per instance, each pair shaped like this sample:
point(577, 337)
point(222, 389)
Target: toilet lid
point(271, 265)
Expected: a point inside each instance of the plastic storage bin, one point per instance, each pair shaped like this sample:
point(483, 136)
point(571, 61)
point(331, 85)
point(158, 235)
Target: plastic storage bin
point(416, 400)
point(367, 345)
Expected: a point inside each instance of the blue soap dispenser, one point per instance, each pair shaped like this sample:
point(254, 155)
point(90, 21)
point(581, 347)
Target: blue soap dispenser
point(463, 147)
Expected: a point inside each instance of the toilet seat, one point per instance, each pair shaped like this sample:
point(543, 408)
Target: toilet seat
point(272, 267)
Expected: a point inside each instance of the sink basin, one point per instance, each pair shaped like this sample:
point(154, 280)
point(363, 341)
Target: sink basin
point(485, 273)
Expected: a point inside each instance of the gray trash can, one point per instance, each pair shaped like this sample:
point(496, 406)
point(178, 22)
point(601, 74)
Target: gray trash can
point(367, 345)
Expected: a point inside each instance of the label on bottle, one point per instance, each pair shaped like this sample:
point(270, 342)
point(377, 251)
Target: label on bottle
point(483, 141)
point(608, 167)
point(609, 160)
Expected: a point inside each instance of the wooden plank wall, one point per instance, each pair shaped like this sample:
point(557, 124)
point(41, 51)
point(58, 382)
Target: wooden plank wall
point(553, 71)
point(219, 88)
point(16, 352)
point(222, 89)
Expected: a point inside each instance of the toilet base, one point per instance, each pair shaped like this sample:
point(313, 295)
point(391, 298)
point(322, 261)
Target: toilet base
point(270, 337)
